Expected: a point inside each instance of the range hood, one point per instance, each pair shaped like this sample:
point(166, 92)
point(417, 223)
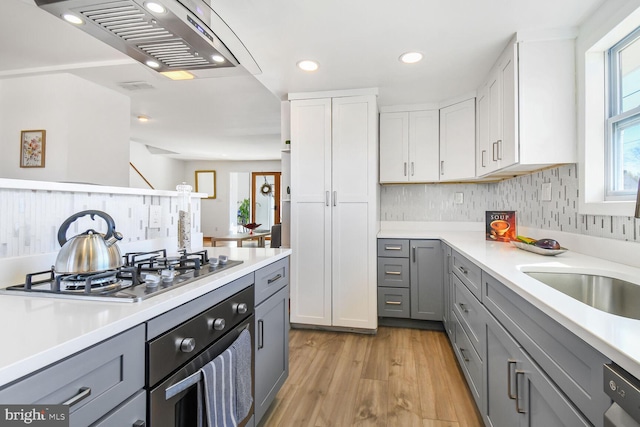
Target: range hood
point(178, 35)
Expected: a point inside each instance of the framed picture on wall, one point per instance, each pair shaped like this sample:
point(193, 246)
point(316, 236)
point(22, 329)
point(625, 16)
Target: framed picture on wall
point(32, 148)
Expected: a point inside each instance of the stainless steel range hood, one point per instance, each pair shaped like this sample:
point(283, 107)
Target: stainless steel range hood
point(186, 35)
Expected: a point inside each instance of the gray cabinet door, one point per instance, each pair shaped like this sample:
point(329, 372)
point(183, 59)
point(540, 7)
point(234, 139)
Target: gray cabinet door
point(503, 358)
point(426, 279)
point(519, 392)
point(272, 349)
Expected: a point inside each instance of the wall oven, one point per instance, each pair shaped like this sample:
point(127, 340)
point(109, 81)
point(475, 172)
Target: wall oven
point(174, 360)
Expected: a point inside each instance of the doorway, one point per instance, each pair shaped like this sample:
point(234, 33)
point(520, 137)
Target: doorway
point(265, 200)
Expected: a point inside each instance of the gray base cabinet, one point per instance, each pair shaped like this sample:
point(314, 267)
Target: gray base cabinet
point(410, 279)
point(99, 378)
point(272, 334)
point(522, 367)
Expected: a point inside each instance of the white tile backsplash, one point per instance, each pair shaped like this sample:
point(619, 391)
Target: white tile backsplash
point(30, 219)
point(435, 202)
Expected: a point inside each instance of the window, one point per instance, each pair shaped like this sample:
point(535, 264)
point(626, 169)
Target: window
point(623, 124)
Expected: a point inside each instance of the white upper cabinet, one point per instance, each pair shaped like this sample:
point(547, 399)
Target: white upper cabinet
point(526, 109)
point(409, 149)
point(458, 141)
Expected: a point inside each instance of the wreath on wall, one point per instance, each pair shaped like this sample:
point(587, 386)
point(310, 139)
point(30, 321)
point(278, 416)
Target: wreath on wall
point(266, 189)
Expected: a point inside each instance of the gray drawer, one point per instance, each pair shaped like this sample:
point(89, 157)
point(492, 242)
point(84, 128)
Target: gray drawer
point(468, 273)
point(394, 248)
point(271, 279)
point(394, 302)
point(470, 313)
point(393, 272)
point(575, 366)
point(126, 415)
point(113, 370)
point(469, 361)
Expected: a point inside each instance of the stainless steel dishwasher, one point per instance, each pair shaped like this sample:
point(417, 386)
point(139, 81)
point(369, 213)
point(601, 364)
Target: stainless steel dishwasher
point(624, 390)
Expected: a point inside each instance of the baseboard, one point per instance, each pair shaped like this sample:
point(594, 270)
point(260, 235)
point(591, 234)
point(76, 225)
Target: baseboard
point(429, 325)
point(333, 328)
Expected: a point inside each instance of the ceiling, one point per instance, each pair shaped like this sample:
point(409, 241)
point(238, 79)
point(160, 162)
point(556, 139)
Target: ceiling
point(356, 42)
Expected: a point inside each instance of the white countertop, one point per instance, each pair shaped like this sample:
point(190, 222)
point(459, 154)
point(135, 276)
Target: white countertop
point(618, 338)
point(38, 331)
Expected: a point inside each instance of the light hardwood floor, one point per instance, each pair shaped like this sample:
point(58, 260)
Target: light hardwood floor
point(397, 378)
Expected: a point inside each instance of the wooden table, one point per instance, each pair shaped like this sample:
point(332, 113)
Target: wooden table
point(240, 237)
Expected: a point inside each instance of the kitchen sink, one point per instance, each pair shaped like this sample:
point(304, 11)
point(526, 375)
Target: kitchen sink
point(608, 294)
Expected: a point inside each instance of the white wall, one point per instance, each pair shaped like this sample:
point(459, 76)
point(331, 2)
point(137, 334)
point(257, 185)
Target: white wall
point(87, 129)
point(215, 213)
point(163, 172)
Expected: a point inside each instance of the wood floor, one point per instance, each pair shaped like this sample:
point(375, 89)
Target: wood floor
point(397, 378)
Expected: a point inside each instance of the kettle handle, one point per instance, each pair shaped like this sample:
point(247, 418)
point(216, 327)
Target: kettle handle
point(111, 225)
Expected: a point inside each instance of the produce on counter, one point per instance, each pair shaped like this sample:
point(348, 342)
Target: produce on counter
point(541, 243)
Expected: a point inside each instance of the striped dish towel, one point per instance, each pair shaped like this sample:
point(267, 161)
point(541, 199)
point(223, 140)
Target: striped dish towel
point(219, 378)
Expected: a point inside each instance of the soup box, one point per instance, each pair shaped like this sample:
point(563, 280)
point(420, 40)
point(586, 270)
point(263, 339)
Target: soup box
point(501, 226)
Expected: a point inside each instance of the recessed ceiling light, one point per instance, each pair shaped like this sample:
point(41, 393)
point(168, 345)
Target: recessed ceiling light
point(155, 7)
point(178, 75)
point(308, 65)
point(410, 57)
point(152, 64)
point(218, 58)
point(143, 119)
point(69, 17)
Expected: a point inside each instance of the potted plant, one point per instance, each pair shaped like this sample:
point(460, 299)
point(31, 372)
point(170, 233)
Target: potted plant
point(243, 212)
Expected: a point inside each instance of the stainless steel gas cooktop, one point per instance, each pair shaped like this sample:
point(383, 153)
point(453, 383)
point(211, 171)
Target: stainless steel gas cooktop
point(144, 274)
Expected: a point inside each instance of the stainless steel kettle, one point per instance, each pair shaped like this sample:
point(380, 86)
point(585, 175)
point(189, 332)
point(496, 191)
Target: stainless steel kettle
point(89, 252)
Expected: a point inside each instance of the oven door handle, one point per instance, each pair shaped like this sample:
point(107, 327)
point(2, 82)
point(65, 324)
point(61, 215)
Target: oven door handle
point(182, 385)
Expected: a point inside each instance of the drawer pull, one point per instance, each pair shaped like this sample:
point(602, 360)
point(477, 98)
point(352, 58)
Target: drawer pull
point(510, 362)
point(139, 423)
point(274, 278)
point(393, 273)
point(393, 302)
point(463, 354)
point(260, 334)
point(463, 307)
point(463, 270)
point(392, 248)
point(83, 393)
point(518, 408)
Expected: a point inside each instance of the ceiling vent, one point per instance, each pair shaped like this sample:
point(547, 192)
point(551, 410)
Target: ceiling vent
point(133, 86)
point(176, 38)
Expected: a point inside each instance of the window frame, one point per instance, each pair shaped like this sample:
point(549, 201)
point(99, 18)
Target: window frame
point(615, 117)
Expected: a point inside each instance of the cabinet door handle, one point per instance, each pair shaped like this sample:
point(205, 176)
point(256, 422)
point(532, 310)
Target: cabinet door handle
point(139, 423)
point(518, 408)
point(462, 353)
point(326, 198)
point(499, 142)
point(335, 198)
point(414, 253)
point(412, 169)
point(483, 156)
point(441, 167)
point(260, 334)
point(83, 393)
point(405, 168)
point(510, 363)
point(393, 302)
point(463, 307)
point(393, 273)
point(274, 278)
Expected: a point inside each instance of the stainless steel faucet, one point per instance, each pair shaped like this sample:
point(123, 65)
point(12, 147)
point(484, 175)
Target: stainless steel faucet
point(637, 214)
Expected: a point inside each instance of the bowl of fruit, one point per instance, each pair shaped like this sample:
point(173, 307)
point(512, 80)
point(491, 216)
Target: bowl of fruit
point(540, 246)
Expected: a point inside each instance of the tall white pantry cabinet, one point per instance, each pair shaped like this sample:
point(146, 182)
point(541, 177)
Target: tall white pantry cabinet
point(334, 198)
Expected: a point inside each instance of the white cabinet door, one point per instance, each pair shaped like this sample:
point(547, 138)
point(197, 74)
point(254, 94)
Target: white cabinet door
point(394, 147)
point(334, 184)
point(508, 151)
point(354, 207)
point(311, 211)
point(424, 146)
point(483, 145)
point(458, 141)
